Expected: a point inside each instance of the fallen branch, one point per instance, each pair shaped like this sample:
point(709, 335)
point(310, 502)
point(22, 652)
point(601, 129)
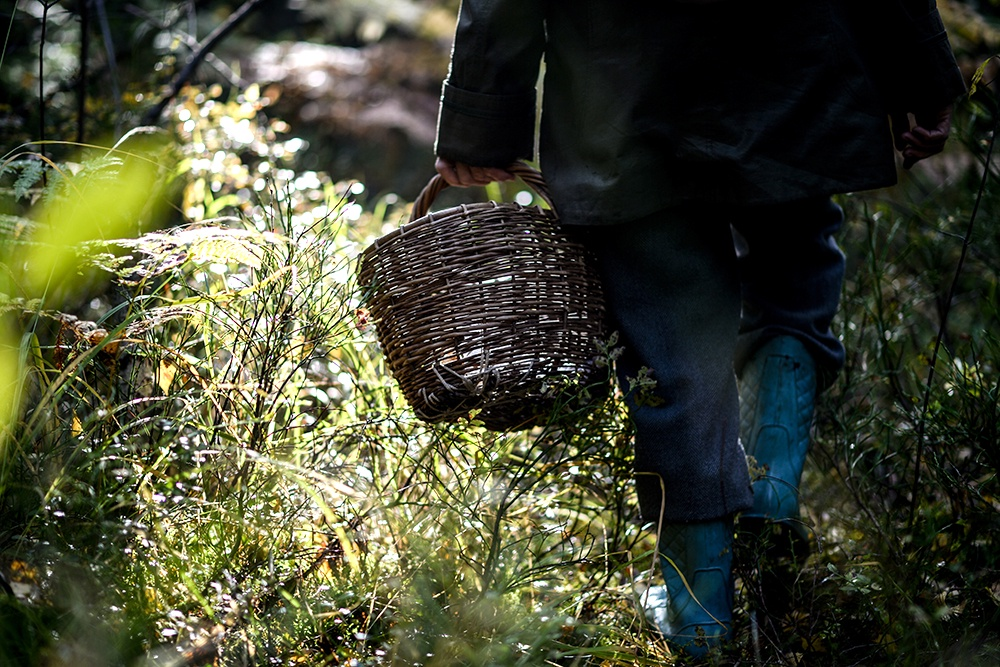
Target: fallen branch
point(204, 47)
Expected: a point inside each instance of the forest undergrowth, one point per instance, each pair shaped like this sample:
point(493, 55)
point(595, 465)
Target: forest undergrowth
point(203, 459)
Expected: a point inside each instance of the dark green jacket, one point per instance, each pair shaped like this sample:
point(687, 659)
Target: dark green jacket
point(650, 103)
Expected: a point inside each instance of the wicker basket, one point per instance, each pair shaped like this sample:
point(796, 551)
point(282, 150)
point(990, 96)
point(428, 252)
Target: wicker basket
point(486, 306)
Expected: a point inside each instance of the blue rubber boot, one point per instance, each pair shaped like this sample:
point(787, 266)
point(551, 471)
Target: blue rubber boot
point(777, 399)
point(694, 609)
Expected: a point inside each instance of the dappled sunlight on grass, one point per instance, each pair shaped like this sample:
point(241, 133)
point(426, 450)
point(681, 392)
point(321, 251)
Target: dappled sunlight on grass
point(209, 461)
point(239, 475)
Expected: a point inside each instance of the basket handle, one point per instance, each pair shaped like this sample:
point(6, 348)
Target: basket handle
point(531, 176)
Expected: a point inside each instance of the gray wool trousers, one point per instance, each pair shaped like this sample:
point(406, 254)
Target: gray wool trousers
point(692, 291)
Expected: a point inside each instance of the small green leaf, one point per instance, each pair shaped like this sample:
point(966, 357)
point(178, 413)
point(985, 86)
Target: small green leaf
point(978, 76)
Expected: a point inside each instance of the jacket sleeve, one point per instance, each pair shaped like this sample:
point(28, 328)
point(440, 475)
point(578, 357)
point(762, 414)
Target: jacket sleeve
point(909, 53)
point(487, 111)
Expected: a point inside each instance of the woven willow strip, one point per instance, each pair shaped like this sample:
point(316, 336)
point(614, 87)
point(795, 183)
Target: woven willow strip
point(486, 306)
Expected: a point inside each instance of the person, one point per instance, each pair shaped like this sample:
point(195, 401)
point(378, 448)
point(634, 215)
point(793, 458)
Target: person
point(694, 146)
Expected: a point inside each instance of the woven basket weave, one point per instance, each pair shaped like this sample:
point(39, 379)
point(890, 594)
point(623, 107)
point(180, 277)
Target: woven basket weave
point(486, 306)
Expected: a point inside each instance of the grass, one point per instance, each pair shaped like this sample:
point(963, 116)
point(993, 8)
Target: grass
point(204, 460)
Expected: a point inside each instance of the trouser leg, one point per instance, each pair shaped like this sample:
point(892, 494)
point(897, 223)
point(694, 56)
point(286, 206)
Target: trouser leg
point(791, 273)
point(673, 294)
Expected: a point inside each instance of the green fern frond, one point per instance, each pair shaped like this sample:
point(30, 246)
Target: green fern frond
point(16, 304)
point(75, 178)
point(156, 317)
point(226, 245)
point(225, 249)
point(96, 255)
point(15, 228)
point(30, 173)
point(165, 251)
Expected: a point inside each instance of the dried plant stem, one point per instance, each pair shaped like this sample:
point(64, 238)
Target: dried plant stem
point(943, 326)
point(81, 84)
point(109, 49)
point(41, 80)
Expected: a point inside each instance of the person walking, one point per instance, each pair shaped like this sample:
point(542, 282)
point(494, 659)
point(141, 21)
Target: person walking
point(694, 146)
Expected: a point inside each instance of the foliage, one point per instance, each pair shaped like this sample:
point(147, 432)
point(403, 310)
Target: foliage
point(906, 500)
point(219, 462)
point(203, 460)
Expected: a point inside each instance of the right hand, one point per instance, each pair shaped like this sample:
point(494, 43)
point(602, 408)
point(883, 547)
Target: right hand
point(924, 138)
point(462, 175)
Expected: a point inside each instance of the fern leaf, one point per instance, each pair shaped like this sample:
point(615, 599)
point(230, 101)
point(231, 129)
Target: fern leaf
point(224, 251)
point(226, 246)
point(31, 174)
point(15, 228)
point(17, 304)
point(165, 251)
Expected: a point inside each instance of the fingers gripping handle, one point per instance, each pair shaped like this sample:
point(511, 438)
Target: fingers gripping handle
point(531, 176)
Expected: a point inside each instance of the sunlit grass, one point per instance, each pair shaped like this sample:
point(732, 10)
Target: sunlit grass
point(204, 455)
point(224, 457)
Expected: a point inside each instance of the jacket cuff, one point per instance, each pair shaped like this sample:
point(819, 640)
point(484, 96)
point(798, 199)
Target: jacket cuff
point(483, 129)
